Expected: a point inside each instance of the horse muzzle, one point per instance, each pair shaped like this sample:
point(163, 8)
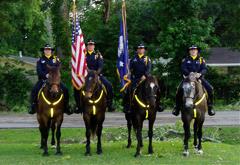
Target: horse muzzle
point(88, 94)
point(189, 103)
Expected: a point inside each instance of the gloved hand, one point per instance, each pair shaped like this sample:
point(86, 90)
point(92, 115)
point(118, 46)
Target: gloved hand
point(143, 77)
point(198, 75)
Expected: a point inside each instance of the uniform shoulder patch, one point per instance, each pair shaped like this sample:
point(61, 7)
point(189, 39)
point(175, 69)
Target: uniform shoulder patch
point(42, 61)
point(201, 59)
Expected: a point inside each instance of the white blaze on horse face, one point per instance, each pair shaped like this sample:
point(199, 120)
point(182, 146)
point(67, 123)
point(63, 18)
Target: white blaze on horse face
point(152, 85)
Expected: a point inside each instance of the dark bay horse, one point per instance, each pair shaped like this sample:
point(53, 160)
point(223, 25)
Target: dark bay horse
point(50, 109)
point(94, 104)
point(194, 107)
point(143, 107)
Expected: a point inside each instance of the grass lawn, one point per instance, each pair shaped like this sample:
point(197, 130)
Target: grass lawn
point(21, 146)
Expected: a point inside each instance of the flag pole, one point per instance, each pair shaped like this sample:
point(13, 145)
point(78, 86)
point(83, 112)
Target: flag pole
point(74, 14)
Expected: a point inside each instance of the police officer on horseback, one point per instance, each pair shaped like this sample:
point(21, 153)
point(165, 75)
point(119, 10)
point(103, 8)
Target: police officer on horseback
point(140, 68)
point(42, 71)
point(94, 61)
point(194, 63)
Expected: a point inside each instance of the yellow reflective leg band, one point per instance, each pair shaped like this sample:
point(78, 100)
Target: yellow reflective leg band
point(94, 110)
point(51, 112)
point(146, 114)
point(194, 113)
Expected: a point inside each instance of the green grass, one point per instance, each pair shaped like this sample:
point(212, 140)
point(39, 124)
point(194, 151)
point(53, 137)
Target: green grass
point(21, 146)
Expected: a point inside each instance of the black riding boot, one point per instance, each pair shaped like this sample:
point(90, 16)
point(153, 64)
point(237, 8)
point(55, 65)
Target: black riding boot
point(177, 108)
point(67, 108)
point(211, 112)
point(33, 103)
point(110, 105)
point(33, 108)
point(159, 108)
point(77, 96)
point(126, 101)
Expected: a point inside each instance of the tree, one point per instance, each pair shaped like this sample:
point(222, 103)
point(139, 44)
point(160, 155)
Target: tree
point(22, 25)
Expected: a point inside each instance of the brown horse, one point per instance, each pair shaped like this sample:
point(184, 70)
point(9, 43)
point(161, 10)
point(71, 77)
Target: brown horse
point(94, 104)
point(143, 107)
point(195, 106)
point(50, 109)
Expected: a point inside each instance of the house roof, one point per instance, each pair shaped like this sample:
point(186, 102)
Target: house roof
point(223, 57)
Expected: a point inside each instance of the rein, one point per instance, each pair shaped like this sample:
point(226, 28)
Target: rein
point(141, 103)
point(197, 102)
point(94, 102)
point(51, 104)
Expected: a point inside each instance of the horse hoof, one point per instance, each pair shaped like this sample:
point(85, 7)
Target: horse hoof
point(150, 152)
point(200, 152)
point(87, 154)
point(59, 153)
point(186, 153)
point(53, 146)
point(45, 154)
point(136, 155)
point(128, 146)
point(99, 152)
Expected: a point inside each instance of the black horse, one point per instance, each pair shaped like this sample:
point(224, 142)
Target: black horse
point(194, 107)
point(94, 104)
point(143, 107)
point(50, 110)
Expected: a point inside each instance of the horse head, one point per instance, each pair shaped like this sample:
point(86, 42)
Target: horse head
point(91, 81)
point(189, 90)
point(54, 79)
point(150, 90)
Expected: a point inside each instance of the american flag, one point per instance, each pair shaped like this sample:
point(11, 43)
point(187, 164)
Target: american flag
point(79, 65)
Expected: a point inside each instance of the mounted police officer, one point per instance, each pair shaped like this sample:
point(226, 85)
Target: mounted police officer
point(42, 72)
point(140, 68)
point(94, 61)
point(194, 63)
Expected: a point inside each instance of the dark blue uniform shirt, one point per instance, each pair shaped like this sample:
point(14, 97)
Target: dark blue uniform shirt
point(42, 63)
point(94, 61)
point(193, 65)
point(140, 66)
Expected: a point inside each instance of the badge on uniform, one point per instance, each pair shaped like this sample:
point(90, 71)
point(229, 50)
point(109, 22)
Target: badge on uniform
point(135, 60)
point(54, 60)
point(189, 62)
point(43, 61)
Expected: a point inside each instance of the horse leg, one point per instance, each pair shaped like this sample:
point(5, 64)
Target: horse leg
point(186, 125)
point(45, 131)
point(199, 133)
point(150, 135)
point(99, 134)
point(53, 127)
point(41, 132)
point(58, 135)
point(88, 134)
point(195, 129)
point(129, 125)
point(139, 137)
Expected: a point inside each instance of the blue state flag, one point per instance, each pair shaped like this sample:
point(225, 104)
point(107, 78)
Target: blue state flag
point(123, 58)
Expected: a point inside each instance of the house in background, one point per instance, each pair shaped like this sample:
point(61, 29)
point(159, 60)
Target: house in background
point(225, 60)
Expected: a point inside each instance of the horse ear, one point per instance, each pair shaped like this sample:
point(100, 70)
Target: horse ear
point(59, 65)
